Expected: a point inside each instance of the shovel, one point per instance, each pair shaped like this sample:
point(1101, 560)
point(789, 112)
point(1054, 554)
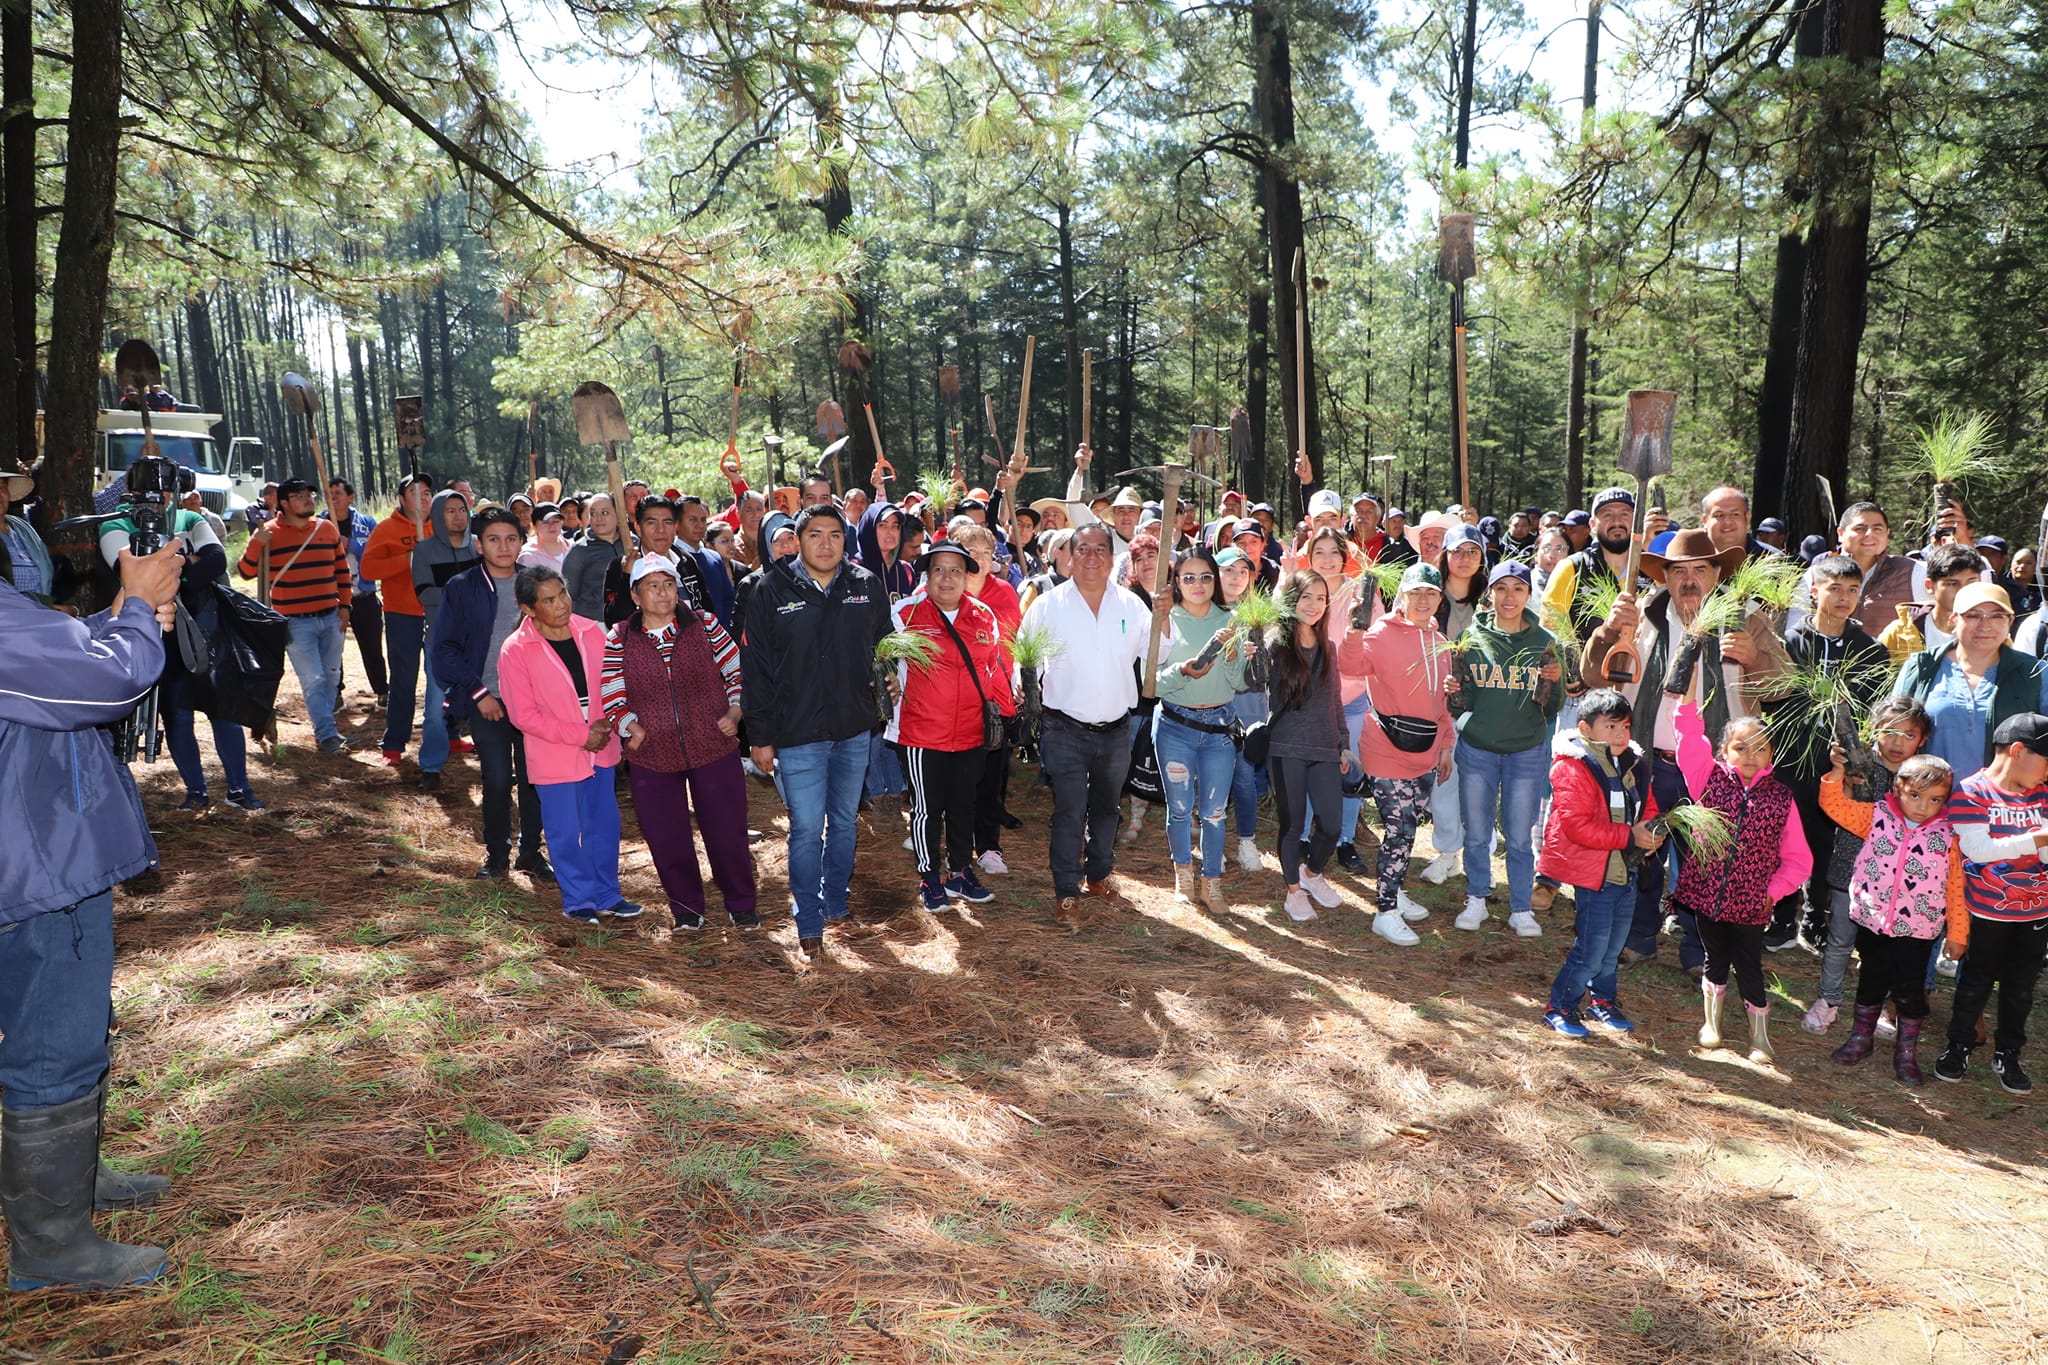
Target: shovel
point(729, 463)
point(409, 418)
point(1645, 454)
point(601, 421)
point(301, 399)
point(136, 367)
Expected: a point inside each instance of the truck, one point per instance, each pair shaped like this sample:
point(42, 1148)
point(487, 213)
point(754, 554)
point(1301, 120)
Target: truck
point(226, 486)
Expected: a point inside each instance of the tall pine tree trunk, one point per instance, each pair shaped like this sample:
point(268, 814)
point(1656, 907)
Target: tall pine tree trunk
point(1273, 95)
point(1575, 389)
point(85, 251)
point(1258, 360)
point(18, 268)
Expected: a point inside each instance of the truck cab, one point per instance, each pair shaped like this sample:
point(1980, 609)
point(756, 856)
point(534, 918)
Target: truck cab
point(246, 460)
point(186, 437)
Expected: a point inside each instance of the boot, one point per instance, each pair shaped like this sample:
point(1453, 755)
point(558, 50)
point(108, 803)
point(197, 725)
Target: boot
point(112, 1189)
point(1184, 882)
point(1760, 1035)
point(1862, 1036)
point(1712, 996)
point(810, 951)
point(1905, 1058)
point(48, 1159)
point(1212, 896)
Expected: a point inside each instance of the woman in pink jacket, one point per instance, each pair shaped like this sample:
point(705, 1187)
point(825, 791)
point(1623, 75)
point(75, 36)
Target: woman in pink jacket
point(1406, 745)
point(549, 673)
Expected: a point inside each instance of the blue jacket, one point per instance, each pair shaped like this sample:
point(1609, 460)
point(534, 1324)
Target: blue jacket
point(76, 823)
point(461, 635)
point(717, 581)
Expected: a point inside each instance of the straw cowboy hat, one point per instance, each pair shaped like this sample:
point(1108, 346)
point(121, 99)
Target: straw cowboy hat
point(1692, 547)
point(1127, 496)
point(1431, 521)
point(19, 485)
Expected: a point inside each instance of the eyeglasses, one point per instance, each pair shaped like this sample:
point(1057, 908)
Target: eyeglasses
point(1190, 579)
point(1987, 618)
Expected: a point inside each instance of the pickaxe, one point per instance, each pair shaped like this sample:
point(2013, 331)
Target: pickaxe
point(1203, 444)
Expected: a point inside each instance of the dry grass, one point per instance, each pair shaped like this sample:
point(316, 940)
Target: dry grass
point(417, 1118)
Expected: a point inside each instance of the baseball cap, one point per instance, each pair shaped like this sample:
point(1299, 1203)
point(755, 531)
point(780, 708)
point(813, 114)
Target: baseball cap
point(1396, 514)
point(1325, 500)
point(543, 510)
point(1770, 525)
point(1993, 543)
point(1978, 594)
point(291, 486)
point(1461, 534)
point(1511, 568)
point(1608, 495)
point(1420, 576)
point(1230, 554)
point(1248, 526)
point(2029, 728)
point(651, 564)
point(1576, 517)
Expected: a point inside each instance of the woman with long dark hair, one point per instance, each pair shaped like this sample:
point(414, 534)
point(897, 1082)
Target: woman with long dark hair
point(1191, 731)
point(1307, 756)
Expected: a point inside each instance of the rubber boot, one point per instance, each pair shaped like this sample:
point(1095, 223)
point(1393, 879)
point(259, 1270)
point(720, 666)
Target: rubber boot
point(112, 1189)
point(1905, 1054)
point(48, 1160)
point(1184, 882)
point(1712, 996)
point(1862, 1037)
point(1760, 1034)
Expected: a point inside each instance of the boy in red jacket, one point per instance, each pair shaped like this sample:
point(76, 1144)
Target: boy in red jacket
point(1600, 806)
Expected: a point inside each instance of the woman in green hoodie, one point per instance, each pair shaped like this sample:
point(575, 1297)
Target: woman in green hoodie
point(1506, 687)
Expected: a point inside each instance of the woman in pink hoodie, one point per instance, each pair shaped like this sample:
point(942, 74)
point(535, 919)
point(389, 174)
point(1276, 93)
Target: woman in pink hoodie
point(1404, 664)
point(550, 674)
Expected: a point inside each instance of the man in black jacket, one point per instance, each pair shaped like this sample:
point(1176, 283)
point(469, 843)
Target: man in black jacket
point(808, 680)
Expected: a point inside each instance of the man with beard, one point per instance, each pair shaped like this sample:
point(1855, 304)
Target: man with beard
point(1732, 676)
point(1574, 582)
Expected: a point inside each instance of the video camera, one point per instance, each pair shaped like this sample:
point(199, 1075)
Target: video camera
point(154, 483)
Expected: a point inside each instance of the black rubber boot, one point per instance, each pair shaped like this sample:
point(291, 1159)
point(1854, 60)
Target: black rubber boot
point(49, 1159)
point(112, 1189)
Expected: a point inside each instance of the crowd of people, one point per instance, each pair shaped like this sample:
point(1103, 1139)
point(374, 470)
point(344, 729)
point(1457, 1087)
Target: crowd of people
point(1736, 751)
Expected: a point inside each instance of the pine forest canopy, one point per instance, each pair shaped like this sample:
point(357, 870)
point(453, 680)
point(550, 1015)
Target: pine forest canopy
point(1818, 221)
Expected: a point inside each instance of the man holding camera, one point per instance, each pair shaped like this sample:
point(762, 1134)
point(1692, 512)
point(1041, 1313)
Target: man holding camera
point(79, 830)
point(310, 586)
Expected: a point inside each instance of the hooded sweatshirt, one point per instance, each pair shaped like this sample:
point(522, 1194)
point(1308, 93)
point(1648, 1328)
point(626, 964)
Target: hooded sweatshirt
point(1403, 666)
point(1498, 686)
point(900, 578)
point(437, 559)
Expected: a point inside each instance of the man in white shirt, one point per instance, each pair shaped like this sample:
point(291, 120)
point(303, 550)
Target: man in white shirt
point(1089, 687)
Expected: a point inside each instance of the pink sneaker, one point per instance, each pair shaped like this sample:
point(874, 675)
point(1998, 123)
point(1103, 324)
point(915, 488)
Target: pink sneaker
point(1820, 1018)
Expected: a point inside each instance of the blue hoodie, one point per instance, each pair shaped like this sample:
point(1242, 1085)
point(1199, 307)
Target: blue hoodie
point(900, 578)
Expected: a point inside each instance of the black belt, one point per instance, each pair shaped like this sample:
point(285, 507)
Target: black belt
point(1092, 727)
point(1181, 716)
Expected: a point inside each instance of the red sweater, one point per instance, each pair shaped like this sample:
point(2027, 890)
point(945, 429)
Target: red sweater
point(1580, 834)
point(940, 707)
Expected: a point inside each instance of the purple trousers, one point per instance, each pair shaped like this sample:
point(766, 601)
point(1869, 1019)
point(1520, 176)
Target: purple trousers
point(718, 790)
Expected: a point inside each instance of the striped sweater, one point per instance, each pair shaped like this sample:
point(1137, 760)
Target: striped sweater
point(317, 580)
point(612, 681)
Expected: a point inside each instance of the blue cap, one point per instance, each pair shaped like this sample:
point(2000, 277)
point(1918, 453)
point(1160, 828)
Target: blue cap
point(1993, 543)
point(1462, 534)
point(1511, 568)
point(1578, 516)
point(1770, 524)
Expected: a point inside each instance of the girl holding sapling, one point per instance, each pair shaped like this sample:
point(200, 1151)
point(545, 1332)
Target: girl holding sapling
point(1731, 897)
point(1191, 731)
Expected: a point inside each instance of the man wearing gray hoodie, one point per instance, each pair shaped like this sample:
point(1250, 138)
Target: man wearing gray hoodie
point(448, 549)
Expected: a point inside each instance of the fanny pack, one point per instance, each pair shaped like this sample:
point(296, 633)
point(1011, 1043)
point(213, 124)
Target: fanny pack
point(1407, 733)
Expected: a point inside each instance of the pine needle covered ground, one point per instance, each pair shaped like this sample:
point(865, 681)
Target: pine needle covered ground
point(413, 1117)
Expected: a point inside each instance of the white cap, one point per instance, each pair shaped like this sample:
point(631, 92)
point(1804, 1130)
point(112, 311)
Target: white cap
point(647, 564)
point(1325, 500)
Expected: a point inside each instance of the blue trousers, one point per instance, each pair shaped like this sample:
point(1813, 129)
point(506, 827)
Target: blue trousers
point(1248, 783)
point(1601, 927)
point(405, 641)
point(1195, 768)
point(230, 742)
point(581, 820)
point(1669, 785)
point(1517, 783)
point(820, 785)
point(56, 997)
point(315, 653)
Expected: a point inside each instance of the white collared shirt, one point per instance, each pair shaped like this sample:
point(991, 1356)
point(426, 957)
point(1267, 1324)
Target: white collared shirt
point(1091, 677)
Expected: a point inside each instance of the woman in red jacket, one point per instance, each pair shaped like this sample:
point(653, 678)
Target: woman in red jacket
point(939, 721)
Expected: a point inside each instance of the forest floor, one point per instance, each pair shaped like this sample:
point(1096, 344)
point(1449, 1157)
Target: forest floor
point(415, 1117)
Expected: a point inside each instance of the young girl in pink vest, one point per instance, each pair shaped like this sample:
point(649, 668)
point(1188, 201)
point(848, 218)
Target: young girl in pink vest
point(1732, 896)
point(1905, 881)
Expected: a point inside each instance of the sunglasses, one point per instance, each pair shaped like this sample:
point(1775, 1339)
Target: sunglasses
point(1190, 579)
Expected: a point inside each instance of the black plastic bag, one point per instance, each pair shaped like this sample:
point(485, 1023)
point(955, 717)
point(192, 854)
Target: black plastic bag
point(249, 646)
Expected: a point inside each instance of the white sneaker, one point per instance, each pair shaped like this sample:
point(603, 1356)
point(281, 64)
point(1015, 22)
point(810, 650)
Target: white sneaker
point(1524, 924)
point(1297, 906)
point(1318, 886)
point(992, 861)
point(910, 841)
point(1248, 855)
point(1439, 871)
point(1387, 924)
point(1474, 913)
point(1410, 910)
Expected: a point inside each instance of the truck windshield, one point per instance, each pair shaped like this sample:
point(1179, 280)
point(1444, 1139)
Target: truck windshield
point(194, 452)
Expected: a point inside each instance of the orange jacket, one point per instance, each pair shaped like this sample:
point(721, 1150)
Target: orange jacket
point(387, 558)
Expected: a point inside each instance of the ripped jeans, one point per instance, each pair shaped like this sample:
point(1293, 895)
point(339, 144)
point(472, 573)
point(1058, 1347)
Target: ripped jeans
point(1196, 769)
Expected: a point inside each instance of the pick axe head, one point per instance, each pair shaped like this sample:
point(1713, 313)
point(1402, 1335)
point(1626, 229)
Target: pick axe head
point(409, 413)
point(301, 399)
point(136, 366)
point(599, 418)
point(1454, 259)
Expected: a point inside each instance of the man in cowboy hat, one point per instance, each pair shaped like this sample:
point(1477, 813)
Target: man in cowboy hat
point(24, 560)
point(1735, 672)
point(1123, 511)
point(1427, 537)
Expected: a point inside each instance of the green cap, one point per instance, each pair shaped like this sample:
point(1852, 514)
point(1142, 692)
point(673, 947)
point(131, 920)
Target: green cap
point(1421, 576)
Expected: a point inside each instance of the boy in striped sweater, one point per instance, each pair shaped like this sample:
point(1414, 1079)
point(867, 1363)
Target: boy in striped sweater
point(310, 587)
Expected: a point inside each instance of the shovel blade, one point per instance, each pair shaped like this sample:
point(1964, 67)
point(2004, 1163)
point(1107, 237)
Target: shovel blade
point(301, 399)
point(1454, 255)
point(1646, 433)
point(136, 366)
point(599, 418)
point(409, 414)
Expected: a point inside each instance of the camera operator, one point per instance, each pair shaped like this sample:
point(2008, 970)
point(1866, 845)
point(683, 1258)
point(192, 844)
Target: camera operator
point(79, 829)
point(144, 515)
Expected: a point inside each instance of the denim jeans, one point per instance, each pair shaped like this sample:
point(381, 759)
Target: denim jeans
point(1204, 764)
point(1355, 712)
point(1247, 783)
point(316, 657)
point(1668, 783)
point(56, 996)
point(582, 824)
point(405, 638)
point(230, 742)
point(1517, 782)
point(1599, 929)
point(1086, 770)
point(1834, 958)
point(820, 785)
point(1446, 816)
